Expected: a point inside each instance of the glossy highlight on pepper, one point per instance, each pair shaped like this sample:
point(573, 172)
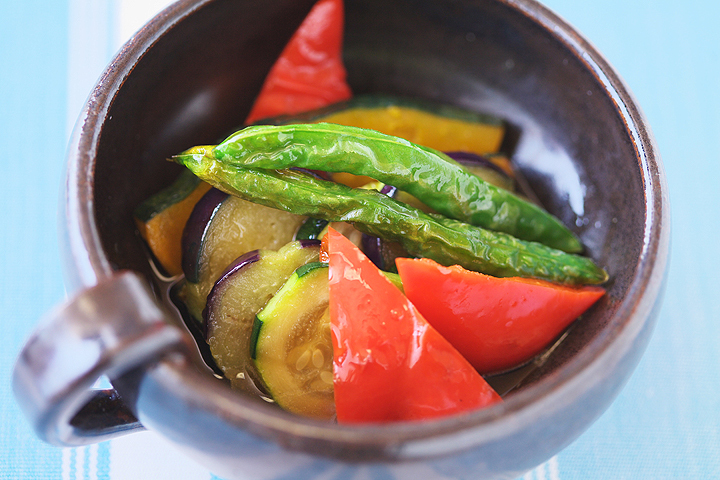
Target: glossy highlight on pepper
point(310, 72)
point(444, 240)
point(440, 182)
point(390, 364)
point(496, 323)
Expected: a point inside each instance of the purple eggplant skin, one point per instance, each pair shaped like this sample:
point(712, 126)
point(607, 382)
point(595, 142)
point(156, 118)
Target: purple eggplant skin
point(389, 190)
point(381, 252)
point(244, 261)
point(371, 247)
point(196, 230)
point(240, 292)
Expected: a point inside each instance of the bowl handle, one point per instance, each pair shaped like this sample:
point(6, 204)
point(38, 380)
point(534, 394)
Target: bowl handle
point(108, 329)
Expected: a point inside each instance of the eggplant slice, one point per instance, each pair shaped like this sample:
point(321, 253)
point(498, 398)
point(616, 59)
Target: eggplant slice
point(238, 295)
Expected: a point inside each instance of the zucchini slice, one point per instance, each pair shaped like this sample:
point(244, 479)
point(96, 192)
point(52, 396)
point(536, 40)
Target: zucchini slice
point(241, 292)
point(293, 344)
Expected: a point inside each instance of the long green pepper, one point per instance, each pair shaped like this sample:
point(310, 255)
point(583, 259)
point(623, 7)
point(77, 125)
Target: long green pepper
point(446, 241)
point(431, 176)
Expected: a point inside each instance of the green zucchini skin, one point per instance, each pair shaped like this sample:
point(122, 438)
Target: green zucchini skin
point(446, 241)
point(311, 229)
point(273, 307)
point(431, 176)
point(293, 344)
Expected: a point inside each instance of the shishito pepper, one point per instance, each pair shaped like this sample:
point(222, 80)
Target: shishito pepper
point(444, 240)
point(430, 175)
point(389, 364)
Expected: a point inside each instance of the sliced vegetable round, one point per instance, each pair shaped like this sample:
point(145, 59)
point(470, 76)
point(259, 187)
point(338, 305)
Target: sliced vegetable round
point(196, 232)
point(220, 229)
point(240, 293)
point(293, 349)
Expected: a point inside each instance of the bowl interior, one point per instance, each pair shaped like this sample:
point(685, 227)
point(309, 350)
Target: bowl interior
point(198, 81)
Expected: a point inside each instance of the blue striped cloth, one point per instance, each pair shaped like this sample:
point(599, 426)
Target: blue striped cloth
point(666, 422)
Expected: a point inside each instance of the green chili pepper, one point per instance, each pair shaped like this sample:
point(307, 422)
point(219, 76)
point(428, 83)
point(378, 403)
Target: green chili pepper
point(446, 241)
point(431, 176)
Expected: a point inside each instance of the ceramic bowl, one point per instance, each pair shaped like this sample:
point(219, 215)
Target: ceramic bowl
point(189, 77)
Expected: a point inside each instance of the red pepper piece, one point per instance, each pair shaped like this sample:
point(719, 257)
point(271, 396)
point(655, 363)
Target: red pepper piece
point(310, 72)
point(389, 363)
point(496, 323)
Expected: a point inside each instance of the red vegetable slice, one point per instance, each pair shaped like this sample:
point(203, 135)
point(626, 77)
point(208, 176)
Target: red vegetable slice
point(496, 323)
point(310, 72)
point(389, 363)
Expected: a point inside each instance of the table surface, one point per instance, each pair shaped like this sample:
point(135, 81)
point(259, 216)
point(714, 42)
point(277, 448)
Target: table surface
point(665, 424)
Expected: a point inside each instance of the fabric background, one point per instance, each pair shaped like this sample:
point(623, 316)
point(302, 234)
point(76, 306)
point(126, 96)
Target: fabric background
point(665, 424)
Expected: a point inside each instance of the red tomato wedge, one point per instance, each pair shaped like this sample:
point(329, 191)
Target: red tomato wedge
point(389, 363)
point(496, 323)
point(310, 72)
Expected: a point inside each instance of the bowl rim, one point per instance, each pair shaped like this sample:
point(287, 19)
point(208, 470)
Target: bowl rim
point(86, 265)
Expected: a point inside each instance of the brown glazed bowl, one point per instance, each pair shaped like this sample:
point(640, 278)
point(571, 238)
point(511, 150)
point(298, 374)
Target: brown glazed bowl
point(189, 77)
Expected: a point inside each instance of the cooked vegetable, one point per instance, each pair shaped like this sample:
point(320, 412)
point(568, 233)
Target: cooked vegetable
point(438, 126)
point(324, 256)
point(446, 241)
point(382, 252)
point(220, 229)
point(394, 279)
point(347, 229)
point(431, 176)
point(161, 219)
point(496, 323)
point(196, 231)
point(390, 364)
point(315, 336)
point(311, 229)
point(239, 294)
point(310, 72)
point(293, 352)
